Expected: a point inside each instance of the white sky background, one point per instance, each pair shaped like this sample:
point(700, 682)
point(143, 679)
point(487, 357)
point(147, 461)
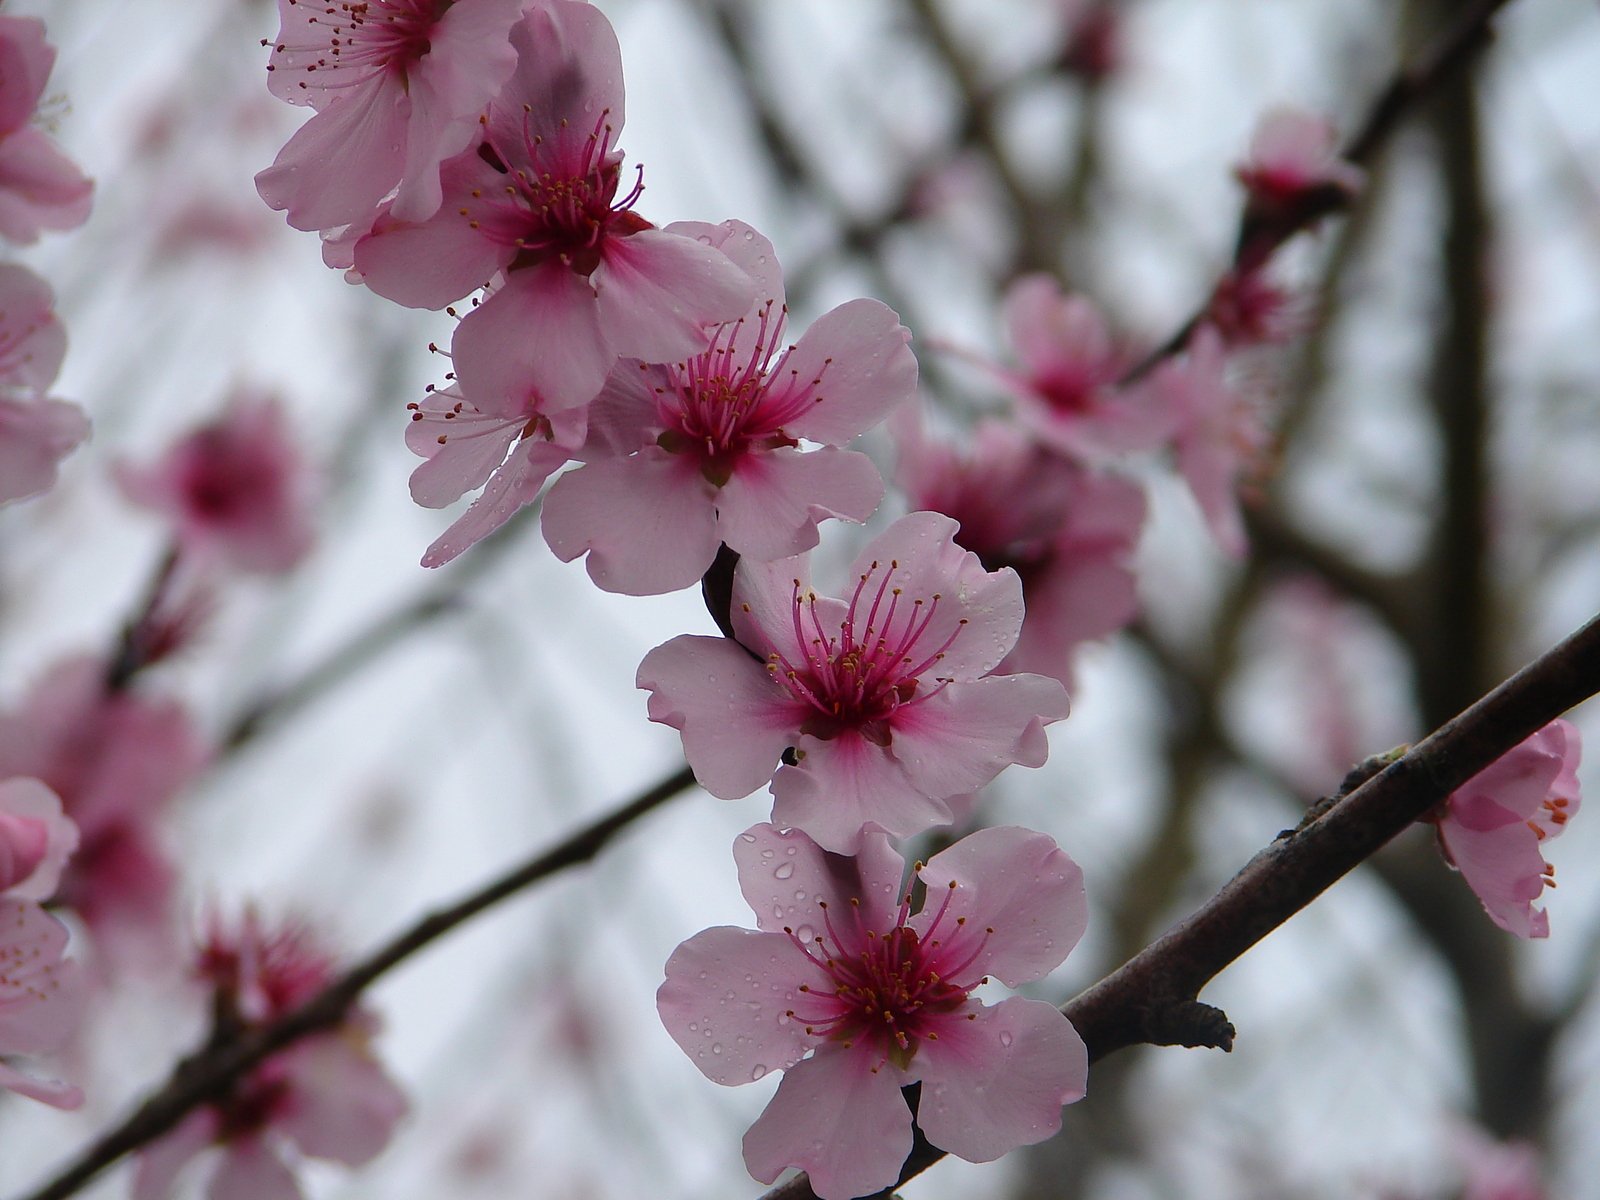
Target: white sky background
point(492, 733)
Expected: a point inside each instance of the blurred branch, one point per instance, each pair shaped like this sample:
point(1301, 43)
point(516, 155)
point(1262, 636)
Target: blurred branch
point(212, 1071)
point(1154, 997)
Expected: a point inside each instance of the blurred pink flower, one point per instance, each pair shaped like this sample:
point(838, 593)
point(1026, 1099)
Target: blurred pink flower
point(706, 451)
point(397, 87)
point(325, 1096)
point(587, 280)
point(1294, 170)
point(116, 760)
point(41, 997)
point(881, 707)
point(1066, 389)
point(236, 489)
point(40, 188)
point(854, 997)
point(1248, 309)
point(1219, 436)
point(1492, 826)
point(36, 839)
point(1069, 533)
point(35, 432)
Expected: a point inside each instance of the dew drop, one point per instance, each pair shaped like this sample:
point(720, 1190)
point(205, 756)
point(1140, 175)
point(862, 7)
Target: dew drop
point(716, 1047)
point(805, 933)
point(694, 1026)
point(791, 851)
point(800, 894)
point(784, 871)
point(757, 1071)
point(765, 853)
point(1005, 1037)
point(751, 838)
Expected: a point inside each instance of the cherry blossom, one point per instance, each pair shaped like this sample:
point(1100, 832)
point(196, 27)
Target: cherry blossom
point(116, 759)
point(40, 188)
point(1294, 173)
point(707, 451)
point(1068, 532)
point(36, 839)
point(882, 706)
point(853, 996)
point(397, 87)
point(587, 280)
point(41, 998)
point(36, 432)
point(1491, 828)
point(235, 489)
point(325, 1096)
point(1219, 436)
point(1065, 389)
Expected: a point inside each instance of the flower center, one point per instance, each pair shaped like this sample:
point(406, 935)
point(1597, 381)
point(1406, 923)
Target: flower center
point(890, 991)
point(729, 401)
point(856, 678)
point(560, 203)
point(361, 40)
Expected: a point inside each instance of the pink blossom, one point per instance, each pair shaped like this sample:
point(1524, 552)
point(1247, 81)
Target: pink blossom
point(325, 1096)
point(587, 280)
point(1068, 532)
point(1491, 827)
point(1092, 44)
point(40, 188)
point(1294, 170)
point(116, 759)
point(1219, 438)
point(41, 997)
point(882, 704)
point(854, 997)
point(1066, 388)
point(35, 432)
point(1248, 309)
point(236, 488)
point(707, 450)
point(36, 839)
point(397, 87)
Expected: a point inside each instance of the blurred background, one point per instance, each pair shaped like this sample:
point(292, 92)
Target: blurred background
point(1431, 520)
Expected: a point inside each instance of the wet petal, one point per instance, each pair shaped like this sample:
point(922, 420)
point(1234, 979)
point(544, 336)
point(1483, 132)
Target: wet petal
point(771, 505)
point(784, 875)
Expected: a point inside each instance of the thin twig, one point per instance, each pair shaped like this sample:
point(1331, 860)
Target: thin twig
point(211, 1072)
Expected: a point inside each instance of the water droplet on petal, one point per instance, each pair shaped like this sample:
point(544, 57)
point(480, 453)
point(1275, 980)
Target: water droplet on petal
point(716, 1047)
point(757, 1071)
point(784, 871)
point(747, 837)
point(1005, 1037)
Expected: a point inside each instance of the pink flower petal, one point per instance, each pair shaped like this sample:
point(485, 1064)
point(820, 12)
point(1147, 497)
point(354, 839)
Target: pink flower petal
point(342, 1105)
point(845, 786)
point(1505, 870)
point(34, 437)
point(981, 610)
point(158, 1165)
point(40, 187)
point(860, 356)
point(657, 292)
point(646, 522)
point(514, 485)
point(738, 1040)
point(56, 1094)
point(569, 71)
point(251, 1171)
point(763, 603)
point(32, 339)
point(473, 448)
point(771, 505)
point(343, 161)
point(837, 1118)
point(963, 737)
point(998, 1082)
point(36, 805)
point(542, 333)
point(41, 994)
point(25, 63)
point(1022, 897)
point(785, 877)
point(734, 722)
point(752, 253)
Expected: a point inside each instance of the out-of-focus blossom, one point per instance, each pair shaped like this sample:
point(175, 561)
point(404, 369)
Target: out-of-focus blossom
point(882, 706)
point(397, 87)
point(41, 997)
point(687, 456)
point(1069, 533)
point(236, 489)
point(325, 1096)
point(1491, 828)
point(853, 997)
point(40, 188)
point(1248, 309)
point(1219, 436)
point(1497, 1170)
point(116, 759)
point(1065, 388)
point(36, 839)
point(36, 432)
point(1294, 172)
point(1092, 46)
point(587, 280)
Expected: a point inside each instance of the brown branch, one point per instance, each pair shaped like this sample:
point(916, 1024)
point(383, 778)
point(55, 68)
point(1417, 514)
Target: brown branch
point(1154, 997)
point(212, 1071)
